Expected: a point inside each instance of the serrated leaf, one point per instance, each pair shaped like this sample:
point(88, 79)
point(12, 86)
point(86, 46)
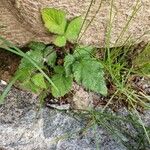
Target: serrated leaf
point(68, 61)
point(28, 85)
point(34, 84)
point(54, 20)
point(62, 83)
point(38, 80)
point(37, 45)
point(50, 56)
point(60, 41)
point(73, 29)
point(83, 51)
point(27, 69)
point(89, 73)
point(24, 73)
point(59, 70)
point(37, 56)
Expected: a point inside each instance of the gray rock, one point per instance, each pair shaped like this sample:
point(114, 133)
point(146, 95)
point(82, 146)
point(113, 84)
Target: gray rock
point(24, 127)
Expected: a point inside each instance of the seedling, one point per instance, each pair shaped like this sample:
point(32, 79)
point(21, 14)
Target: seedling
point(55, 21)
point(78, 65)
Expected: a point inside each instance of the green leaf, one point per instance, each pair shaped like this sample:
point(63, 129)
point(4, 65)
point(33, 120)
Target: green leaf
point(26, 70)
point(54, 20)
point(73, 29)
point(62, 82)
point(37, 56)
point(142, 61)
point(86, 70)
point(60, 41)
point(59, 70)
point(79, 53)
point(83, 51)
point(68, 61)
point(143, 57)
point(24, 73)
point(89, 73)
point(37, 45)
point(35, 84)
point(38, 80)
point(145, 69)
point(28, 85)
point(50, 56)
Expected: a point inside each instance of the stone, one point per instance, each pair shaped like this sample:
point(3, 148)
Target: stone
point(20, 20)
point(24, 127)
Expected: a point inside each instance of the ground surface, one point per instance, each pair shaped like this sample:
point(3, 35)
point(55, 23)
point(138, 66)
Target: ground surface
point(8, 64)
point(22, 127)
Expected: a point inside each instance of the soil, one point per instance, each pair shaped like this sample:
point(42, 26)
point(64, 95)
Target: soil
point(8, 64)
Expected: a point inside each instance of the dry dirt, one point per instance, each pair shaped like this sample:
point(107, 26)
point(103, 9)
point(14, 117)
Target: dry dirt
point(8, 64)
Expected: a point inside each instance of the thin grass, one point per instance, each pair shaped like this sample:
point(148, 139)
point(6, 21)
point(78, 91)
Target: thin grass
point(10, 47)
point(86, 15)
point(6, 91)
point(115, 72)
point(114, 68)
point(134, 12)
point(113, 124)
point(92, 19)
point(135, 9)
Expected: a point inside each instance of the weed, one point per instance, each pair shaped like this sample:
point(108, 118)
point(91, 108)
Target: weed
point(60, 65)
point(64, 61)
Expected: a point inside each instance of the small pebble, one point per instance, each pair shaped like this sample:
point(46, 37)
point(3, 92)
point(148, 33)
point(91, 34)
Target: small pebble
point(2, 82)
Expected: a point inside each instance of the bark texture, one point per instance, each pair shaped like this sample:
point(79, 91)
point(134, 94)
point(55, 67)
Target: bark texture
point(21, 22)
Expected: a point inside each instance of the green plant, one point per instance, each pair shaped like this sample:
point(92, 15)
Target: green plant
point(79, 66)
point(61, 65)
point(142, 61)
point(42, 64)
point(55, 21)
point(120, 65)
